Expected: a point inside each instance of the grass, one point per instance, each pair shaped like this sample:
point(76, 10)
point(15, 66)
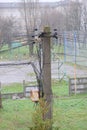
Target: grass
point(15, 54)
point(69, 113)
point(16, 115)
point(23, 52)
point(60, 88)
point(19, 53)
point(4, 47)
point(12, 88)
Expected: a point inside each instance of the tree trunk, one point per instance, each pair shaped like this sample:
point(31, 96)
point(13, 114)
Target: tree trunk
point(0, 101)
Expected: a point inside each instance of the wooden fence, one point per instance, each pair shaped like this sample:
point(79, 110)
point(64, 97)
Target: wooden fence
point(26, 92)
point(78, 85)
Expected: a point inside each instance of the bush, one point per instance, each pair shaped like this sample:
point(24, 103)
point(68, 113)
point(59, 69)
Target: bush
point(39, 122)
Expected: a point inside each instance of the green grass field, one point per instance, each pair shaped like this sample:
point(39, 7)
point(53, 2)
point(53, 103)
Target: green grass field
point(14, 54)
point(69, 113)
point(12, 88)
point(23, 52)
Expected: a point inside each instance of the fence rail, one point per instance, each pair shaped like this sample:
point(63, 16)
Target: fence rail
point(78, 85)
point(17, 95)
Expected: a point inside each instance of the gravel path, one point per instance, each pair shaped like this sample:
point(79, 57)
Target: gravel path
point(11, 74)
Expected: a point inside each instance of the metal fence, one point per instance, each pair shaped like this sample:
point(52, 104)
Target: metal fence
point(71, 47)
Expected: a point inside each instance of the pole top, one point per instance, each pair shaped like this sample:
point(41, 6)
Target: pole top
point(47, 29)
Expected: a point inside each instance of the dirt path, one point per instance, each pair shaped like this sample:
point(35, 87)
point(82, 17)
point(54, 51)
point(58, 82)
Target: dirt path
point(13, 74)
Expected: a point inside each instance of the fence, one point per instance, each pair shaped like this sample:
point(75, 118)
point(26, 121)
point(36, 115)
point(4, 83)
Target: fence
point(17, 95)
point(75, 48)
point(72, 47)
point(78, 85)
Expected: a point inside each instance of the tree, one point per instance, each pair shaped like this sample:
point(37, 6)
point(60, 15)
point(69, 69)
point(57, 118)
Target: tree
point(84, 23)
point(73, 16)
point(30, 16)
point(8, 28)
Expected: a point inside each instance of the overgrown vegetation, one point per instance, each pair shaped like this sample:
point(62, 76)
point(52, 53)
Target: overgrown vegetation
point(38, 118)
point(69, 113)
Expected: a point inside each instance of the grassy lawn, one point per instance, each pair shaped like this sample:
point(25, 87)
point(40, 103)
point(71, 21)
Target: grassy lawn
point(60, 88)
point(19, 53)
point(12, 88)
point(16, 115)
point(69, 113)
point(23, 52)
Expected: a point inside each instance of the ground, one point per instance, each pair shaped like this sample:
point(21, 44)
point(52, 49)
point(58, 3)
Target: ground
point(11, 74)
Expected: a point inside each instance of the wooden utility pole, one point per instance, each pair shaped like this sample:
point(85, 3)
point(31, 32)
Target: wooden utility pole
point(47, 71)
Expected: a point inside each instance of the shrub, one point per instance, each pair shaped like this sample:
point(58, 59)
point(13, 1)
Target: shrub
point(39, 122)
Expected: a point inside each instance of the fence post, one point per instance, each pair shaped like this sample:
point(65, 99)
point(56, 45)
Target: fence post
point(24, 88)
point(0, 97)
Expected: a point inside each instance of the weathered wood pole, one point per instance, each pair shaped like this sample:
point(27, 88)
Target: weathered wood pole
point(46, 47)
